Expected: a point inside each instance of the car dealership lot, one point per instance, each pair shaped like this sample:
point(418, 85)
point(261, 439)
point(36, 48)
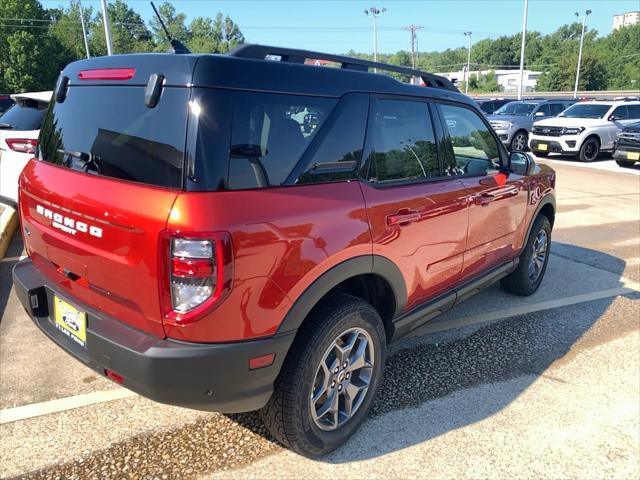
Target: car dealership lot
point(546, 385)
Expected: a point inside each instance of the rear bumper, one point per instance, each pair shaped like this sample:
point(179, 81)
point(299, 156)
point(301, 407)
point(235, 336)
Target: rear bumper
point(213, 377)
point(626, 153)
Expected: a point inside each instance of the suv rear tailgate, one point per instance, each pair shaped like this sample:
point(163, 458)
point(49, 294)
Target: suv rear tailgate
point(96, 239)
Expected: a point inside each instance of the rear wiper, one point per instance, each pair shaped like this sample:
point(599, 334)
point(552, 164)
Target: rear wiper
point(87, 159)
point(6, 125)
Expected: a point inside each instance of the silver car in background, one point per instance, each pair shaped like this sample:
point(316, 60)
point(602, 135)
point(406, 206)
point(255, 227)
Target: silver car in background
point(513, 121)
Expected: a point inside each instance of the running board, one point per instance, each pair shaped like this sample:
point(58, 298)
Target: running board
point(428, 311)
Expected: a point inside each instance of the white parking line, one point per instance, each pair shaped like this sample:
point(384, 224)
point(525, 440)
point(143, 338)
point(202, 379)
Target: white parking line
point(12, 259)
point(24, 412)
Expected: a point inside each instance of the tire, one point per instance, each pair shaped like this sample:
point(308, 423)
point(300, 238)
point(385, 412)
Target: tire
point(521, 281)
point(589, 150)
point(519, 141)
point(289, 414)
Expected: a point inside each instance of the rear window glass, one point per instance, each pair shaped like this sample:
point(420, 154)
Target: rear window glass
point(110, 131)
point(26, 115)
point(270, 133)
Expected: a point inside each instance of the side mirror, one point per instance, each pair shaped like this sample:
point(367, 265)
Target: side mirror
point(539, 114)
point(520, 163)
point(613, 118)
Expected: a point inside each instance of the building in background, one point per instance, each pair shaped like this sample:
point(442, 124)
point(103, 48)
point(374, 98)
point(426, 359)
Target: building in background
point(507, 79)
point(626, 19)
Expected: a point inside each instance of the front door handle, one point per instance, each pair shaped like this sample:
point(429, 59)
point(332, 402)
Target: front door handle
point(483, 199)
point(403, 217)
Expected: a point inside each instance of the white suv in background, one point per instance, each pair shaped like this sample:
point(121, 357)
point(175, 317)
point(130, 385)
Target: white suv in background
point(584, 129)
point(19, 129)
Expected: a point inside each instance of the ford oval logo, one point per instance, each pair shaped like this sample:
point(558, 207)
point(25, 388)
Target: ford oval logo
point(545, 130)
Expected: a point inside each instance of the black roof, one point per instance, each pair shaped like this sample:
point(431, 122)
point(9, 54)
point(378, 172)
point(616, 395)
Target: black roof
point(246, 68)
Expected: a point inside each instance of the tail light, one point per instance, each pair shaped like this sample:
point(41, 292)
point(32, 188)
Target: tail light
point(22, 145)
point(197, 274)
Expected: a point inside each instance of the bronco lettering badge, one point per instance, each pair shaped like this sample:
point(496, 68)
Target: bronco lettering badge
point(67, 224)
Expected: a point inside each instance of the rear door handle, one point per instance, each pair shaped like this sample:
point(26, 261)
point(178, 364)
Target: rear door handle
point(403, 217)
point(483, 199)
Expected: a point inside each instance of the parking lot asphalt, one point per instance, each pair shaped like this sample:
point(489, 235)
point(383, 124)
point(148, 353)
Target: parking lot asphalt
point(501, 386)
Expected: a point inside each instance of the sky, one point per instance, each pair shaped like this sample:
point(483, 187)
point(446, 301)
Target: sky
point(336, 26)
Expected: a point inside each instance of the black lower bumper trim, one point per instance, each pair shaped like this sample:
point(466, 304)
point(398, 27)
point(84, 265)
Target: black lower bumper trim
point(214, 377)
point(552, 146)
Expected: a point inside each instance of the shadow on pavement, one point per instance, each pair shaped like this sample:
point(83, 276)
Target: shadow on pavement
point(420, 369)
point(437, 365)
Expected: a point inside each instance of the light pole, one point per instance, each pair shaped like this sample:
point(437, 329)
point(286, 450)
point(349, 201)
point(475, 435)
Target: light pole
point(466, 83)
point(375, 12)
point(107, 29)
point(584, 22)
point(84, 31)
point(524, 35)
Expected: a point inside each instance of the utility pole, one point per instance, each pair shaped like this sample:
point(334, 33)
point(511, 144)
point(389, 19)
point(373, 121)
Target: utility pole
point(466, 83)
point(107, 29)
point(375, 12)
point(584, 22)
point(414, 42)
point(84, 30)
point(524, 36)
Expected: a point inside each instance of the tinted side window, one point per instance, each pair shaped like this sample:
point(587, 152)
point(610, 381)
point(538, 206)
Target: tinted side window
point(544, 109)
point(403, 141)
point(556, 108)
point(270, 132)
point(336, 151)
point(26, 115)
point(487, 107)
point(621, 113)
point(634, 111)
point(475, 150)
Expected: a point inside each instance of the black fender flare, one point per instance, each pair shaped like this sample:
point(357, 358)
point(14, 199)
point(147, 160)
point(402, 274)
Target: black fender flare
point(364, 264)
point(548, 199)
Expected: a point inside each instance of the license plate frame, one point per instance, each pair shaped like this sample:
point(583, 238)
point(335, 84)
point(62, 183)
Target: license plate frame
point(633, 156)
point(70, 321)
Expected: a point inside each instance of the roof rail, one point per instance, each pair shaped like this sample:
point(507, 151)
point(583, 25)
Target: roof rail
point(292, 55)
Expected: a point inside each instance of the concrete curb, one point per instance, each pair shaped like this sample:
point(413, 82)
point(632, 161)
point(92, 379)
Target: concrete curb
point(8, 225)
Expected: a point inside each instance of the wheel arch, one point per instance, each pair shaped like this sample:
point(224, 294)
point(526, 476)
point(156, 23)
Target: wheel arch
point(547, 207)
point(373, 278)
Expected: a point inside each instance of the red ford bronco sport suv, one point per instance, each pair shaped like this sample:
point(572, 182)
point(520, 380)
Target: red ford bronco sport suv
point(192, 238)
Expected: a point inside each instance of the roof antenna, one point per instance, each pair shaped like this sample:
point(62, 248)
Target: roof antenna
point(176, 45)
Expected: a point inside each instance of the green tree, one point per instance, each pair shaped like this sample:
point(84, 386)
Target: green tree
point(30, 58)
point(128, 31)
point(484, 83)
point(67, 28)
point(231, 34)
point(175, 23)
point(562, 76)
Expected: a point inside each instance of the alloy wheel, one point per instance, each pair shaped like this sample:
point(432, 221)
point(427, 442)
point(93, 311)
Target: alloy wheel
point(591, 150)
point(342, 379)
point(519, 142)
point(538, 256)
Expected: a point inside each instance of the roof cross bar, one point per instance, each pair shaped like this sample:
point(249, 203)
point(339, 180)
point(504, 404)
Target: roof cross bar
point(292, 55)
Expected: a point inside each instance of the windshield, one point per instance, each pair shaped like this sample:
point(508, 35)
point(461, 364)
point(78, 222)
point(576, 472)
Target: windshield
point(586, 110)
point(515, 108)
point(26, 115)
